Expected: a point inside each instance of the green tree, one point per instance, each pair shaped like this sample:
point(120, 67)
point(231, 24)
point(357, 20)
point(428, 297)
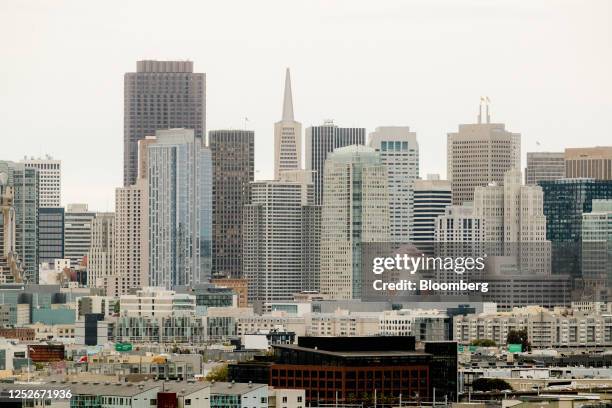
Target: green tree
point(490, 384)
point(483, 343)
point(219, 373)
point(519, 337)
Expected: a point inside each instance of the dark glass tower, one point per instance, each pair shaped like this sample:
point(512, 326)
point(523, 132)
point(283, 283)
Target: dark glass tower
point(50, 234)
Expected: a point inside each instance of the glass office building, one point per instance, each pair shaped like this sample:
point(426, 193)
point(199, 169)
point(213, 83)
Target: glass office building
point(50, 234)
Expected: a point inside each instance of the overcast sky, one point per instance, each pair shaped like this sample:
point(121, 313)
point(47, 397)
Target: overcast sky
point(546, 66)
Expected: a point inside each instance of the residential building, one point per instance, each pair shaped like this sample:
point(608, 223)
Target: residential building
point(589, 162)
point(355, 211)
point(160, 95)
point(131, 235)
point(77, 232)
point(480, 154)
point(50, 234)
point(287, 136)
point(431, 198)
point(399, 152)
point(239, 286)
point(100, 257)
point(320, 142)
point(157, 302)
point(273, 240)
point(233, 167)
point(544, 166)
point(50, 180)
point(180, 209)
point(238, 395)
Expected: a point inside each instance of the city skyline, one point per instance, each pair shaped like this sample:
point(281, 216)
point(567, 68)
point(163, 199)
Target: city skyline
point(552, 88)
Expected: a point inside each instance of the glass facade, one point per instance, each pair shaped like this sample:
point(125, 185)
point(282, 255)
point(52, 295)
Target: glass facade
point(50, 234)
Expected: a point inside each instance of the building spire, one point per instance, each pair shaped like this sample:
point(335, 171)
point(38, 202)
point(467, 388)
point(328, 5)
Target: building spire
point(288, 99)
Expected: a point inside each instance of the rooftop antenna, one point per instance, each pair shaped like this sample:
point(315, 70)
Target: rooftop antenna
point(480, 110)
point(488, 101)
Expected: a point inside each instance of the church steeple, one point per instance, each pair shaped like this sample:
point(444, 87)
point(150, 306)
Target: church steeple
point(288, 99)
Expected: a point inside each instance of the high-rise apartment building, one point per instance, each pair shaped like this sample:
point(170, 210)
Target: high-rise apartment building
point(24, 182)
point(100, 257)
point(514, 217)
point(49, 180)
point(589, 162)
point(544, 166)
point(355, 211)
point(50, 234)
point(131, 236)
point(431, 198)
point(233, 167)
point(160, 95)
point(399, 152)
point(480, 154)
point(322, 140)
point(287, 136)
point(273, 239)
point(77, 232)
point(180, 209)
point(565, 201)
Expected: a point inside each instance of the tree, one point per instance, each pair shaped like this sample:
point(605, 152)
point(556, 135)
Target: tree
point(483, 343)
point(490, 384)
point(218, 373)
point(519, 337)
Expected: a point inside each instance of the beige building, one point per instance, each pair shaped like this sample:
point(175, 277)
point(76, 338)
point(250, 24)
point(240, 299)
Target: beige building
point(100, 256)
point(355, 211)
point(480, 154)
point(287, 136)
point(589, 162)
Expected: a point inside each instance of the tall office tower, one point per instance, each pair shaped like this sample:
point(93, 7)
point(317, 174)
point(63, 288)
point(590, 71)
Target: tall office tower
point(458, 224)
point(589, 162)
point(77, 232)
point(355, 211)
point(272, 239)
point(50, 234)
point(311, 247)
point(322, 140)
point(565, 201)
point(10, 267)
point(596, 249)
point(480, 154)
point(50, 180)
point(101, 249)
point(399, 151)
point(180, 209)
point(160, 95)
point(143, 156)
point(287, 136)
point(233, 161)
point(514, 217)
point(431, 197)
point(544, 166)
point(131, 262)
point(24, 181)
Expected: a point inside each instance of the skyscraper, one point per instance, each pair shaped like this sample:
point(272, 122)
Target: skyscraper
point(10, 266)
point(399, 152)
point(355, 211)
point(50, 180)
point(544, 166)
point(77, 232)
point(273, 239)
point(431, 197)
point(24, 182)
point(233, 161)
point(514, 218)
point(589, 162)
point(480, 154)
point(160, 95)
point(50, 234)
point(100, 257)
point(322, 140)
point(596, 249)
point(287, 136)
point(565, 201)
point(180, 209)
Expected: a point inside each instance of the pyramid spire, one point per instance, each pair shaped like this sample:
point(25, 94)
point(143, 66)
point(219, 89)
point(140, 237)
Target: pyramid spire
point(288, 99)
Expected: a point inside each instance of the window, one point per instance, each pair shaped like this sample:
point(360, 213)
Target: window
point(188, 401)
point(284, 399)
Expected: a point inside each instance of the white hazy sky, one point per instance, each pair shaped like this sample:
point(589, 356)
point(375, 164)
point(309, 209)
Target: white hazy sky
point(546, 65)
